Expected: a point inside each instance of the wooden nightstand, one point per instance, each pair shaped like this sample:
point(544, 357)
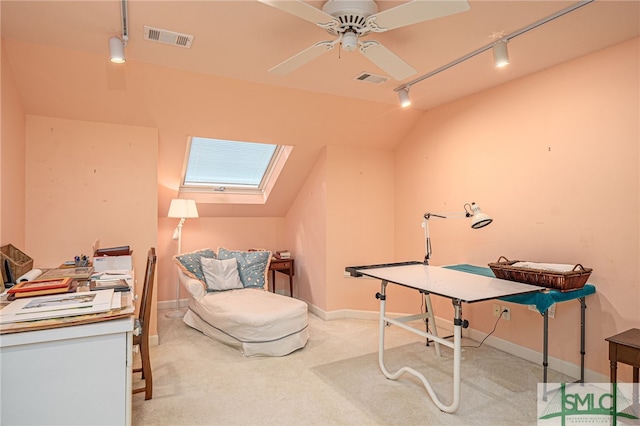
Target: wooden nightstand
point(625, 348)
point(284, 266)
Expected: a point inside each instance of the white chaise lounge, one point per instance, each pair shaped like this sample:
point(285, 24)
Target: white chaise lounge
point(246, 315)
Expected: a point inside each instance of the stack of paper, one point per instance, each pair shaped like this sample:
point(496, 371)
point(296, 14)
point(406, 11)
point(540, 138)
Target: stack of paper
point(60, 305)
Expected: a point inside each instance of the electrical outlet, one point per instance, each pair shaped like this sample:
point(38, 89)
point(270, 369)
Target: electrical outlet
point(496, 310)
point(506, 313)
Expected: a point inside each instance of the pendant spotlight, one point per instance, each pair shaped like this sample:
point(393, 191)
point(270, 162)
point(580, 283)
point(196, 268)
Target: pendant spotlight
point(116, 50)
point(117, 44)
point(500, 54)
point(403, 94)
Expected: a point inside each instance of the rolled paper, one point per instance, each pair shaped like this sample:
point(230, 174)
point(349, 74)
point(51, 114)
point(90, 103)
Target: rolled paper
point(29, 276)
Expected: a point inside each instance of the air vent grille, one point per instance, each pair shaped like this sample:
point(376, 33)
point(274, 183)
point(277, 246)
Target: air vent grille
point(167, 37)
point(371, 78)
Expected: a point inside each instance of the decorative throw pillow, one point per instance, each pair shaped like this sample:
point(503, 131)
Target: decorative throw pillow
point(253, 266)
point(220, 274)
point(189, 263)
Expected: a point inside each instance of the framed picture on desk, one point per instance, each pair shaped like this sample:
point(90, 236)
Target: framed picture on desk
point(60, 305)
point(79, 273)
point(39, 288)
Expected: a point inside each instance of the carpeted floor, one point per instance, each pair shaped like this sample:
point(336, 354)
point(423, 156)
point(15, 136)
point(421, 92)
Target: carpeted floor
point(334, 380)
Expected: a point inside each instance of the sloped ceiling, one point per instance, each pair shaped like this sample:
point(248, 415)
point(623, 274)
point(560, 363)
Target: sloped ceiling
point(237, 42)
point(243, 39)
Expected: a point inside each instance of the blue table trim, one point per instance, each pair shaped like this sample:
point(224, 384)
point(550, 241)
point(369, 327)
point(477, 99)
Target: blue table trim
point(542, 301)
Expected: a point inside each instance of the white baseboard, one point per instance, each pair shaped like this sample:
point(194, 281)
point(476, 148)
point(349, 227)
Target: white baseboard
point(171, 304)
point(555, 364)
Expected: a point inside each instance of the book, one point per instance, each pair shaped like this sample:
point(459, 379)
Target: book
point(284, 254)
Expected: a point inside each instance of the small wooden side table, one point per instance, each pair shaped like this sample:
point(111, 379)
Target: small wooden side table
point(625, 348)
point(284, 266)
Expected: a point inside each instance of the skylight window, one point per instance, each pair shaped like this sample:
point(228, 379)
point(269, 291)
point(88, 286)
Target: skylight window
point(232, 167)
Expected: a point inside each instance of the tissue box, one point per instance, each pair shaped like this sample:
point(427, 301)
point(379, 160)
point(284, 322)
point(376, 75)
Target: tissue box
point(106, 263)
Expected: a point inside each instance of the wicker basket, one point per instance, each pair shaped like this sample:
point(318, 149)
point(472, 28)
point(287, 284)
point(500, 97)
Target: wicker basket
point(563, 281)
point(19, 263)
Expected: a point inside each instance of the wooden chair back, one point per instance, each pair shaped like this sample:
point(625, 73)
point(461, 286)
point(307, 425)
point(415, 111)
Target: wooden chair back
point(144, 316)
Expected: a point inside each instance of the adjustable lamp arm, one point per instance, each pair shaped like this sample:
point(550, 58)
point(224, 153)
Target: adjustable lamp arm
point(427, 239)
point(478, 220)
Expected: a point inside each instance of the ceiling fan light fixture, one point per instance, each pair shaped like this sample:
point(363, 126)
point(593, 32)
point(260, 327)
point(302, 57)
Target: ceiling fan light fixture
point(403, 95)
point(500, 54)
point(116, 50)
point(349, 41)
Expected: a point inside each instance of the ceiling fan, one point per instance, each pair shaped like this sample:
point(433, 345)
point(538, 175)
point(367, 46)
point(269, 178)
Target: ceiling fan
point(349, 20)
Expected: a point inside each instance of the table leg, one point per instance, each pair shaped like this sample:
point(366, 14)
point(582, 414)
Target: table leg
point(456, 346)
point(583, 308)
point(431, 317)
point(273, 281)
point(636, 395)
point(614, 386)
point(545, 353)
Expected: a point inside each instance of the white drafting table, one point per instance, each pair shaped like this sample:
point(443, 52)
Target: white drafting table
point(456, 285)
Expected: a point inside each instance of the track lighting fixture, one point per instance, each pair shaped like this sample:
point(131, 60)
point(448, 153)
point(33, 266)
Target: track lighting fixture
point(116, 50)
point(117, 44)
point(403, 94)
point(500, 54)
point(500, 51)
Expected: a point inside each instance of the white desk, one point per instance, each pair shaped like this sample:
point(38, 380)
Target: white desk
point(455, 285)
point(68, 371)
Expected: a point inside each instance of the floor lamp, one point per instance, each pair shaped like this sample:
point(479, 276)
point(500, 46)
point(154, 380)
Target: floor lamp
point(182, 209)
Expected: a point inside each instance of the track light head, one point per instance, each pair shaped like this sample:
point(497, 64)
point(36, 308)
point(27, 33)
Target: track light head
point(116, 50)
point(403, 94)
point(500, 54)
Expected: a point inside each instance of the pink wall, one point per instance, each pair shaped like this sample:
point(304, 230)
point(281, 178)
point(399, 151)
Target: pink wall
point(12, 161)
point(89, 180)
point(360, 211)
point(306, 236)
point(554, 158)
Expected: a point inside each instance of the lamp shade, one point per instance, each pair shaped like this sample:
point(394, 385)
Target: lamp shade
point(181, 208)
point(478, 218)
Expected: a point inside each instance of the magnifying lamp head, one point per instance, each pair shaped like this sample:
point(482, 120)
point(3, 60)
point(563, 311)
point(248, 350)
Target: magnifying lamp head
point(478, 218)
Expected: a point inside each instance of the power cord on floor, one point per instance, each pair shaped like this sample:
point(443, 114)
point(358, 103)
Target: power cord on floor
point(492, 331)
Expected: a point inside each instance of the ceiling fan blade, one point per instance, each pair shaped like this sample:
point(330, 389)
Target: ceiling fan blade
point(307, 55)
point(302, 10)
point(416, 11)
point(386, 60)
